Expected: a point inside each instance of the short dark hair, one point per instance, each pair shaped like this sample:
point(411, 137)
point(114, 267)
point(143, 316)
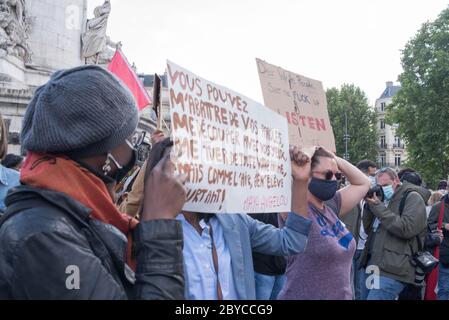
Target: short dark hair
point(320, 153)
point(410, 175)
point(11, 161)
point(364, 165)
point(442, 185)
point(404, 171)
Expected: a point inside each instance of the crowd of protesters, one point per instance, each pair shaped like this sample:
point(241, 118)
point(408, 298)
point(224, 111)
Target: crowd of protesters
point(65, 233)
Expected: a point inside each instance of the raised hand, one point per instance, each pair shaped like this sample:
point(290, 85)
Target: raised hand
point(164, 193)
point(156, 137)
point(301, 164)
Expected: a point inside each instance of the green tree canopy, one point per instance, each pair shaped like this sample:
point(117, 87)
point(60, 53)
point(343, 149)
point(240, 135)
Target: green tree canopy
point(421, 108)
point(362, 122)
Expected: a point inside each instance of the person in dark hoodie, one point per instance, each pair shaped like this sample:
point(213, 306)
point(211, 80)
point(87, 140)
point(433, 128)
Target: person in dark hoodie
point(62, 236)
point(393, 236)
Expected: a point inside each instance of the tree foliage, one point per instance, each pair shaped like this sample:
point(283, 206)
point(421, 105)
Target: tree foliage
point(362, 122)
point(421, 108)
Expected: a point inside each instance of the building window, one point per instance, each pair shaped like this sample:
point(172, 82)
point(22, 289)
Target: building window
point(398, 142)
point(383, 105)
point(383, 160)
point(383, 143)
point(382, 124)
point(397, 160)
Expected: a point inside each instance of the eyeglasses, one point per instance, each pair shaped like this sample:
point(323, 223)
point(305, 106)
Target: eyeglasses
point(136, 139)
point(329, 174)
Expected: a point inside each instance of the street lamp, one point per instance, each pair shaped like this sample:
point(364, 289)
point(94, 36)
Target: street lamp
point(346, 137)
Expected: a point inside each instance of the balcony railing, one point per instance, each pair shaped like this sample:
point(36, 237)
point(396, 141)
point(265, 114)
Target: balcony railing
point(398, 146)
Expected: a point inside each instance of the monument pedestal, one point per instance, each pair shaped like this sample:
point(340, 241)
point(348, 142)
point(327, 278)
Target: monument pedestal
point(14, 74)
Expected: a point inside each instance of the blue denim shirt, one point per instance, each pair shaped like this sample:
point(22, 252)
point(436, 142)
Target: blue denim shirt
point(8, 179)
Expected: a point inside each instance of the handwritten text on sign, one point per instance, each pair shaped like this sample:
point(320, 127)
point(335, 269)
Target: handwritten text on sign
point(234, 151)
point(302, 101)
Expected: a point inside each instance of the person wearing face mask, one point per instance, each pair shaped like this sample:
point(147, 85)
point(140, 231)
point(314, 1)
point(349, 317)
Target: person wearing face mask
point(353, 222)
point(62, 236)
point(393, 235)
point(323, 270)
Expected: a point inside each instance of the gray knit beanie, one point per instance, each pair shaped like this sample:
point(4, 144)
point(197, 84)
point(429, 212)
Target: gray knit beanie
point(83, 112)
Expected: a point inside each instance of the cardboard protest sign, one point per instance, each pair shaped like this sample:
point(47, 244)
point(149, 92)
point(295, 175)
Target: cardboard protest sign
point(302, 101)
point(234, 151)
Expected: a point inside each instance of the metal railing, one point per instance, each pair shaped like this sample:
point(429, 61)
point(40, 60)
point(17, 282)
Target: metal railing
point(398, 146)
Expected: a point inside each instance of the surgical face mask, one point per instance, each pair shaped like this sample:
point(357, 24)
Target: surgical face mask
point(388, 192)
point(323, 189)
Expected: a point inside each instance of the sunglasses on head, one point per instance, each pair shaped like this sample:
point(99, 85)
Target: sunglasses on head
point(329, 174)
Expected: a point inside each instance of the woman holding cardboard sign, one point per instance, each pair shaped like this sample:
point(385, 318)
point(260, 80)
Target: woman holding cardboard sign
point(323, 270)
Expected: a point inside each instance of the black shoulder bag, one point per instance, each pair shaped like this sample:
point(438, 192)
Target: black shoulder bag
point(422, 259)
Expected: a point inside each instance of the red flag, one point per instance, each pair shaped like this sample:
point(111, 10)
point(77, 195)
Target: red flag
point(121, 68)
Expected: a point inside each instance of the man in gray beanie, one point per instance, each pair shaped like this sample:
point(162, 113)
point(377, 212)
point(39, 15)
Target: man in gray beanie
point(84, 111)
point(62, 236)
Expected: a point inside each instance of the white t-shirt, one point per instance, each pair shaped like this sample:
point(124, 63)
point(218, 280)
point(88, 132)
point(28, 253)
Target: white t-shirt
point(362, 234)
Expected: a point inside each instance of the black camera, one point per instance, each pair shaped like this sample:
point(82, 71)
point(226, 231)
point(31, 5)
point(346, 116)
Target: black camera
point(378, 191)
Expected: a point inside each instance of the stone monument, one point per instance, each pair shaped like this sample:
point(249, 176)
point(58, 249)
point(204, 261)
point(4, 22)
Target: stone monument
point(97, 46)
point(37, 37)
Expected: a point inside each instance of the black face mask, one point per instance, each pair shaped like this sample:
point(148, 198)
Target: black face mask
point(323, 189)
point(121, 173)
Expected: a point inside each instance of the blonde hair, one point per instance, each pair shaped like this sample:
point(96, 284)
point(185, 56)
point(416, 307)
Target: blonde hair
point(435, 197)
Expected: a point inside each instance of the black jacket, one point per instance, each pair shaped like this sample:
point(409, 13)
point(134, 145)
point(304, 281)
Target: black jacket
point(353, 221)
point(49, 245)
point(267, 264)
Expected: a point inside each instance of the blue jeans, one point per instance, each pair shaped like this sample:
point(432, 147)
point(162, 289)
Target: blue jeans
point(443, 283)
point(359, 277)
point(268, 287)
point(389, 289)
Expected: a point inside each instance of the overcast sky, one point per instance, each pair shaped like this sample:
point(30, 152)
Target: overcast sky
point(335, 41)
